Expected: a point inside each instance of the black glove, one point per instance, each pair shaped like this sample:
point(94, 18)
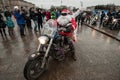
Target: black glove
point(68, 29)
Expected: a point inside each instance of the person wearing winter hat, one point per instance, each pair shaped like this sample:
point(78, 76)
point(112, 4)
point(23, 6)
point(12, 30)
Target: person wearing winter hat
point(65, 19)
point(19, 15)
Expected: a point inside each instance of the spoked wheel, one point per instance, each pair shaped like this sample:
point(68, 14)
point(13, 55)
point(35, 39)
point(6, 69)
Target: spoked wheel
point(32, 69)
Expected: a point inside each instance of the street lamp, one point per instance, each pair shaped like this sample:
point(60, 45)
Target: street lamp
point(61, 2)
point(81, 4)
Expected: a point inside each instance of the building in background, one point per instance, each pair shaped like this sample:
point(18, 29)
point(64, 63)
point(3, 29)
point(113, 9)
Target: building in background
point(91, 8)
point(117, 8)
point(13, 3)
point(3, 3)
point(104, 7)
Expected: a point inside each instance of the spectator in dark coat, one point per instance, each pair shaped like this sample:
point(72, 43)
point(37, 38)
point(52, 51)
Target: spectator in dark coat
point(88, 18)
point(2, 26)
point(28, 21)
point(109, 14)
point(33, 15)
point(102, 17)
point(40, 20)
point(118, 14)
point(79, 18)
point(43, 14)
point(7, 13)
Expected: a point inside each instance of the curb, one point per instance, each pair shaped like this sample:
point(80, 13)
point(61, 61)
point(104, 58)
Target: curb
point(108, 34)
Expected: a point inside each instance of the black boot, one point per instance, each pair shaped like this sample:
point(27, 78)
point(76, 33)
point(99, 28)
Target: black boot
point(74, 57)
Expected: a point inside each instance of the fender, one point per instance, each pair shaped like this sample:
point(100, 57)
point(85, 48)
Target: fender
point(34, 56)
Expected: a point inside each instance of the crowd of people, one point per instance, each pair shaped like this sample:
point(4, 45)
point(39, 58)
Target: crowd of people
point(110, 15)
point(37, 15)
point(24, 19)
point(101, 15)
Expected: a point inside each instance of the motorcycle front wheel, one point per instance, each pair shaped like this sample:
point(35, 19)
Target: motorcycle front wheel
point(104, 24)
point(32, 69)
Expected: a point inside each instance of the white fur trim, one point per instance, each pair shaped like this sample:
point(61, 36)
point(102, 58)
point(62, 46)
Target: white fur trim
point(63, 20)
point(75, 34)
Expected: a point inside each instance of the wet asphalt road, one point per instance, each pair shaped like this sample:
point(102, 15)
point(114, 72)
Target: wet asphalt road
point(98, 58)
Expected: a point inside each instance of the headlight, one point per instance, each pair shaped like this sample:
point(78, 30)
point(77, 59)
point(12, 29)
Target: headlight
point(33, 55)
point(96, 18)
point(106, 18)
point(114, 20)
point(43, 39)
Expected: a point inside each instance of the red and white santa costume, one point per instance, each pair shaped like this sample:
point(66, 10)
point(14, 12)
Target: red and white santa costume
point(64, 20)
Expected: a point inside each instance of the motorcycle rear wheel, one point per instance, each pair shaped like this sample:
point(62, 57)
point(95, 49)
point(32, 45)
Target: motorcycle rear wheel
point(32, 69)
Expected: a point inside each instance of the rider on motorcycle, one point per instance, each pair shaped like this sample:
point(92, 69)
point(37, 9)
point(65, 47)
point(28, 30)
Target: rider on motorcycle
point(109, 14)
point(118, 14)
point(65, 19)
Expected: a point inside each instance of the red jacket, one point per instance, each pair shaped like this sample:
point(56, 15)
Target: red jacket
point(48, 15)
point(73, 27)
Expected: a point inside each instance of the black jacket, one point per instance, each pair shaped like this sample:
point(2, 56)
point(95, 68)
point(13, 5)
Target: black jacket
point(2, 22)
point(28, 19)
point(7, 14)
point(33, 15)
point(40, 17)
point(1, 16)
point(118, 15)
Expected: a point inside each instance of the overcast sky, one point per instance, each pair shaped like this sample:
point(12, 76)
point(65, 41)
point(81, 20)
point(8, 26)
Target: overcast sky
point(76, 3)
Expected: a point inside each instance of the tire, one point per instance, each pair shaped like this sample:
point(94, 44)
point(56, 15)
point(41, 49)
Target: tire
point(104, 24)
point(117, 26)
point(32, 69)
point(72, 48)
point(94, 23)
point(112, 26)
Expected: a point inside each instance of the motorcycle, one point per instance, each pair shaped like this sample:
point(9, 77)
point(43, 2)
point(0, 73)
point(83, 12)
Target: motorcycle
point(94, 22)
point(51, 44)
point(105, 21)
point(115, 24)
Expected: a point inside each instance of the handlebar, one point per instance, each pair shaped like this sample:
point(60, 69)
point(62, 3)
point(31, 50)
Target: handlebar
point(64, 29)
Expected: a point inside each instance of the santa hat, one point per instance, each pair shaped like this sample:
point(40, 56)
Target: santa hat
point(16, 7)
point(64, 11)
point(68, 11)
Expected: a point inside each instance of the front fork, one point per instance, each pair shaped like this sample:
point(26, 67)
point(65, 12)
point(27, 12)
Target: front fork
point(46, 54)
point(38, 49)
point(114, 25)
